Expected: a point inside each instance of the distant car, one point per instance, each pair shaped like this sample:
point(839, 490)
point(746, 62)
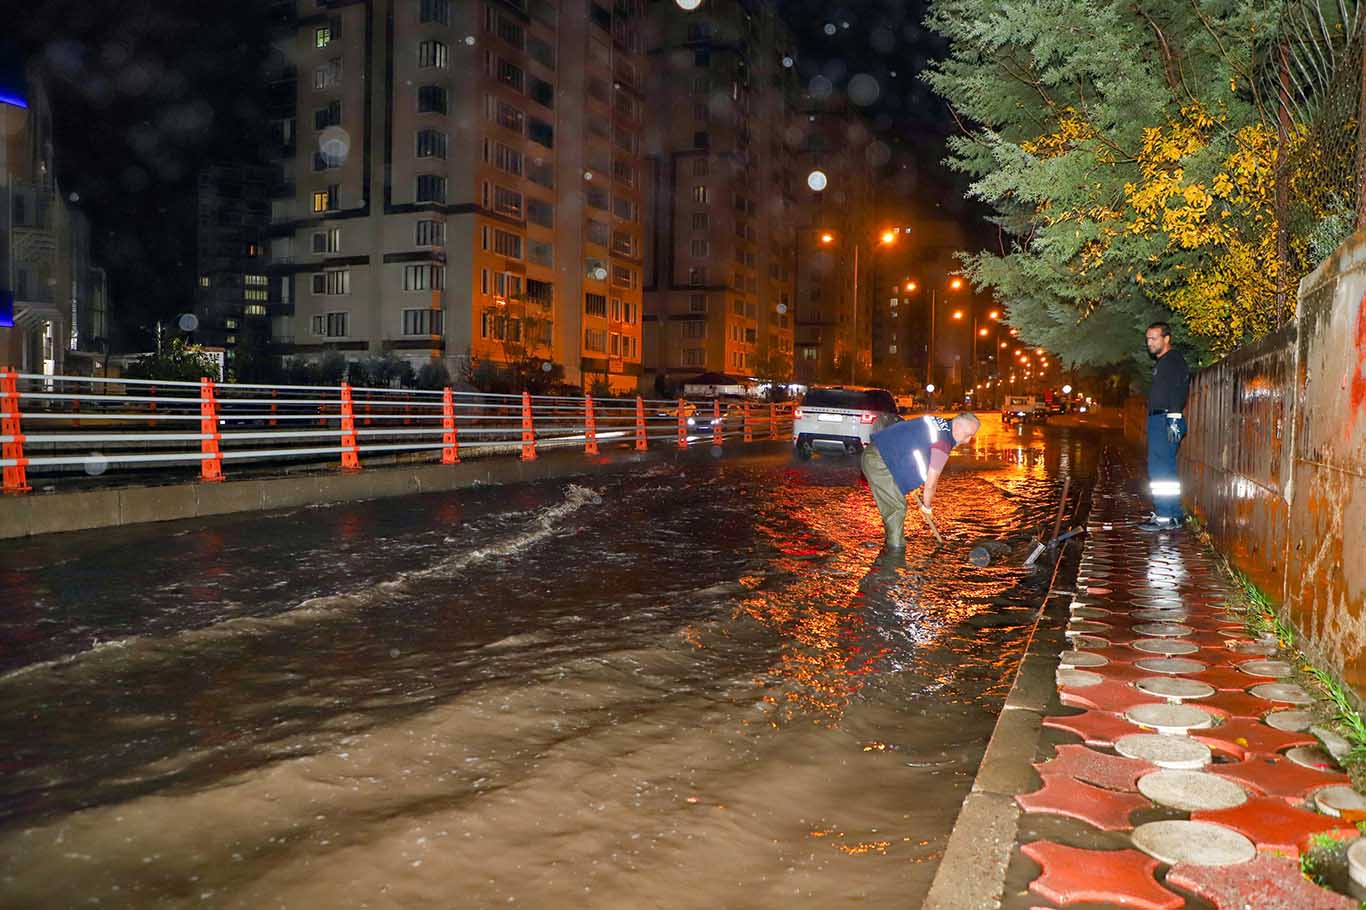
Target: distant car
point(842, 417)
point(906, 404)
point(1023, 408)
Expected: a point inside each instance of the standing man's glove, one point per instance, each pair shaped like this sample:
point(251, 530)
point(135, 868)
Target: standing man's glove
point(925, 509)
point(1176, 428)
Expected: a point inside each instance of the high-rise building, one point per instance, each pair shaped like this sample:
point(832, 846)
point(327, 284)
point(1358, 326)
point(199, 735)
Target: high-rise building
point(232, 296)
point(722, 251)
point(52, 296)
point(837, 234)
point(461, 178)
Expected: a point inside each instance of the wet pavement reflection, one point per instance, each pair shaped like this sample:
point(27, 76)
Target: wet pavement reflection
point(695, 686)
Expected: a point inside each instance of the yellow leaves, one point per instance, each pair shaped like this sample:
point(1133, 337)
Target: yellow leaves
point(1072, 130)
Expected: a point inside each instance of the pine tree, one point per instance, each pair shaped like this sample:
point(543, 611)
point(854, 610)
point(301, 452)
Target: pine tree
point(1127, 152)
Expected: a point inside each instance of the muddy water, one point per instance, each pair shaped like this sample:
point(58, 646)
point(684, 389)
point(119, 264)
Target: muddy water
point(698, 687)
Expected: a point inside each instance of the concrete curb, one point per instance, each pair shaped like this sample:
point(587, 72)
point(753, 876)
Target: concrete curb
point(971, 874)
point(81, 510)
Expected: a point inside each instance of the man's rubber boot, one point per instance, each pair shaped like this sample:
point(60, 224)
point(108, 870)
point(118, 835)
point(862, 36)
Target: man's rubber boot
point(896, 533)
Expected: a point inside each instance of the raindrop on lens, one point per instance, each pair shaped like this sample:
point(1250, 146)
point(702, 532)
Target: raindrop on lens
point(782, 308)
point(547, 367)
point(334, 144)
point(863, 89)
point(830, 28)
point(820, 87)
point(96, 464)
point(716, 452)
point(816, 180)
point(787, 62)
point(597, 500)
point(688, 5)
point(393, 652)
point(469, 39)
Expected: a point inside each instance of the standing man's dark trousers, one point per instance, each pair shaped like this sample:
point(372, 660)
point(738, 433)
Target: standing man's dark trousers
point(1163, 480)
point(891, 502)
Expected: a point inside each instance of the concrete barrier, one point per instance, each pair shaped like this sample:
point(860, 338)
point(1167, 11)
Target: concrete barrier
point(1275, 463)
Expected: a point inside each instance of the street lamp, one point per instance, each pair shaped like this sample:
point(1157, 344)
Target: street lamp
point(886, 238)
point(954, 284)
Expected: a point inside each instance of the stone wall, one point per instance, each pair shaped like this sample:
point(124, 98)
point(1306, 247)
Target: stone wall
point(1275, 463)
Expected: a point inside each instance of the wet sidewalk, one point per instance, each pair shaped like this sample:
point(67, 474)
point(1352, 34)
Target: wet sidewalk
point(1177, 767)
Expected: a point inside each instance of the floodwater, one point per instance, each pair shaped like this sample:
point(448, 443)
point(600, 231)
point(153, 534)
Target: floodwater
point(682, 687)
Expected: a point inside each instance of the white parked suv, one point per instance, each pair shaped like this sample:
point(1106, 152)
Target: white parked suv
point(843, 417)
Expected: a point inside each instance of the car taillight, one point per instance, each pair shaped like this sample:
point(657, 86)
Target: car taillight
point(867, 417)
point(796, 413)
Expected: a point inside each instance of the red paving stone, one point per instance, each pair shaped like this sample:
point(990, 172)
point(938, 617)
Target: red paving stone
point(1120, 877)
point(1266, 883)
point(1243, 736)
point(1272, 824)
point(1112, 696)
point(1105, 809)
point(1274, 775)
point(1113, 772)
point(1099, 728)
point(1225, 677)
point(1237, 704)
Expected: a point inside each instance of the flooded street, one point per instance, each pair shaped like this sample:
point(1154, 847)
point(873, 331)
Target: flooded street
point(692, 687)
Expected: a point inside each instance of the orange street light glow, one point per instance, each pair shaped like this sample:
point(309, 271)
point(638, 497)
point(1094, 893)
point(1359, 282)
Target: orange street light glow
point(827, 238)
point(888, 237)
point(956, 283)
point(982, 332)
point(911, 286)
point(994, 314)
point(957, 314)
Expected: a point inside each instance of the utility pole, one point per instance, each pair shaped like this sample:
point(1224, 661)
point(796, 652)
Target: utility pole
point(853, 360)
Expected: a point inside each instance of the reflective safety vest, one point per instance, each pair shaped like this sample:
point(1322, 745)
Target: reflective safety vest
point(905, 448)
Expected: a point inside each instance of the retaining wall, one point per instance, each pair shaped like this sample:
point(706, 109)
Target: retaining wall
point(1275, 463)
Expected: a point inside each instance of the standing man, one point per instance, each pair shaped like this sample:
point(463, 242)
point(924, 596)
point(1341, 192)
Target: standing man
point(905, 455)
point(1166, 427)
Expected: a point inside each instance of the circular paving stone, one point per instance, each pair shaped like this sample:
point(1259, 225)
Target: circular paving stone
point(1170, 718)
point(1170, 665)
point(1295, 721)
point(1200, 843)
point(1178, 753)
point(1191, 791)
point(1356, 861)
point(1078, 679)
point(1336, 745)
point(1333, 800)
point(1162, 629)
point(1083, 627)
point(1165, 646)
point(1073, 659)
point(1273, 668)
point(1312, 757)
point(1151, 615)
point(1174, 687)
point(1248, 646)
point(1090, 613)
point(1089, 642)
point(1286, 692)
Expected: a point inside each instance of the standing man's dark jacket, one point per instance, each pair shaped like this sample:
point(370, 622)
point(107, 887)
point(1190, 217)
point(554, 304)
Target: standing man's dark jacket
point(1171, 384)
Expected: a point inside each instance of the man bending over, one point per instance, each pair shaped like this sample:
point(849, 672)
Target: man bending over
point(907, 455)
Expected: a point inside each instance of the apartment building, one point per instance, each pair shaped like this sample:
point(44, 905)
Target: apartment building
point(461, 178)
point(721, 262)
point(231, 296)
point(53, 305)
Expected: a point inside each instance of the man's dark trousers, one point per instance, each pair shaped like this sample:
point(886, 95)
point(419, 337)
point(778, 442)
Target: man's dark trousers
point(1164, 482)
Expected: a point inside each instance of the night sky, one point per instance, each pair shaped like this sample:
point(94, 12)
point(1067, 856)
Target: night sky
point(146, 92)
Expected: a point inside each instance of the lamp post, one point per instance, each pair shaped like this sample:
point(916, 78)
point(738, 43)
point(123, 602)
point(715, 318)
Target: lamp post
point(886, 238)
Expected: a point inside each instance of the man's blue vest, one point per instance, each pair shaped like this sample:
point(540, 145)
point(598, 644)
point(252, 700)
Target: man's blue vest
point(905, 447)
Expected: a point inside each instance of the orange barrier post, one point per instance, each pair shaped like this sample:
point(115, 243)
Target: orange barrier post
point(408, 410)
point(152, 391)
point(528, 430)
point(368, 421)
point(749, 431)
point(350, 452)
point(772, 420)
point(273, 395)
point(716, 435)
point(642, 440)
point(682, 426)
point(76, 409)
point(590, 427)
point(450, 454)
point(211, 468)
point(15, 475)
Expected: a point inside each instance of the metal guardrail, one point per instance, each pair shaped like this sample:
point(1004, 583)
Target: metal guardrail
point(65, 426)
